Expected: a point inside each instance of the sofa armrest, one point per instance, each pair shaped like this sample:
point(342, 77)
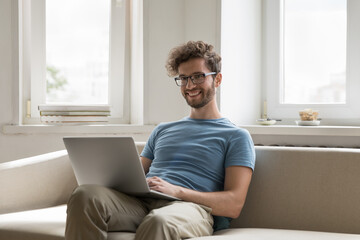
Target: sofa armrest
point(37, 182)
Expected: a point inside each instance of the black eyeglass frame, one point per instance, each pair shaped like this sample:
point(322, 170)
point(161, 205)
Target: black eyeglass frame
point(186, 78)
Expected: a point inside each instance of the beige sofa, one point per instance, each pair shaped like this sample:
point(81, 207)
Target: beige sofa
point(295, 193)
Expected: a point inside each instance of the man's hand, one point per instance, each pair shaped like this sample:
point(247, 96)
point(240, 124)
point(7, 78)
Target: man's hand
point(160, 185)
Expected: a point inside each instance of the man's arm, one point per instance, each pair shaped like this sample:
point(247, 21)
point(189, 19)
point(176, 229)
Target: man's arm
point(227, 203)
point(146, 164)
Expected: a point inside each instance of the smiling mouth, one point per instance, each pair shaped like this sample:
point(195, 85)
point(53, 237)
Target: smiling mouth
point(193, 93)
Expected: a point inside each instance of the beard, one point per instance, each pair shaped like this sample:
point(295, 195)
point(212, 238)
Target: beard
point(207, 96)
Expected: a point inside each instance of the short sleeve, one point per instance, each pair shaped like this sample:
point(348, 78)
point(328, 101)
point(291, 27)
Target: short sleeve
point(149, 148)
point(240, 151)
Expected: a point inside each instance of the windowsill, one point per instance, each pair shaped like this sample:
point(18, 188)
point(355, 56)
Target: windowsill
point(141, 129)
point(303, 130)
point(77, 129)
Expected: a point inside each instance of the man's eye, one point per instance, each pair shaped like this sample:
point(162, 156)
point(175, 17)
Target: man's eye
point(198, 76)
point(183, 78)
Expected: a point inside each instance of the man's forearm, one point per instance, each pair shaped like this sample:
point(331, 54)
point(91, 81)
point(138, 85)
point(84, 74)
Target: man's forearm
point(227, 203)
point(222, 203)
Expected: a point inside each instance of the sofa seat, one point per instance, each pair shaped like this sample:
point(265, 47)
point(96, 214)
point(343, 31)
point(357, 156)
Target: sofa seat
point(41, 224)
point(49, 224)
point(46, 223)
point(276, 234)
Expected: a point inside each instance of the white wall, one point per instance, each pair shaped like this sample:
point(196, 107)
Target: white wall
point(5, 62)
point(168, 23)
point(241, 54)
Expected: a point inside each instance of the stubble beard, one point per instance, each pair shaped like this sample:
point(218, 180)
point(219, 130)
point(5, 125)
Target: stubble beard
point(208, 96)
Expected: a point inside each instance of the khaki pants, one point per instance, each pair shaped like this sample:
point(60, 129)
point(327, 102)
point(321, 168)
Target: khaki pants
point(94, 210)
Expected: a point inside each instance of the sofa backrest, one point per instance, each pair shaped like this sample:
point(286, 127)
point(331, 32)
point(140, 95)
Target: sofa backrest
point(304, 189)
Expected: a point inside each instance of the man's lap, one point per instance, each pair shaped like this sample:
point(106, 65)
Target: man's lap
point(123, 210)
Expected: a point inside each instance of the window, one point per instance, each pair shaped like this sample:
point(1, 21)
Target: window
point(311, 50)
point(314, 59)
point(75, 52)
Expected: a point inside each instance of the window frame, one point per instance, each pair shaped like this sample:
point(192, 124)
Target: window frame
point(337, 114)
point(32, 41)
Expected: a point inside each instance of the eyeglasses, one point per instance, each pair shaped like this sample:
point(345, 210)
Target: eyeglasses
point(195, 79)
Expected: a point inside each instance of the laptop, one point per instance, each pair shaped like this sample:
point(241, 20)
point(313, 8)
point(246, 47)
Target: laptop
point(111, 162)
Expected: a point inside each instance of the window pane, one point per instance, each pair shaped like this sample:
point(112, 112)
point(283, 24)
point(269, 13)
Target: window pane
point(314, 51)
point(77, 51)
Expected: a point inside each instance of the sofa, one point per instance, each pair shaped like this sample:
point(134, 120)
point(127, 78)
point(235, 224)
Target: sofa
point(295, 193)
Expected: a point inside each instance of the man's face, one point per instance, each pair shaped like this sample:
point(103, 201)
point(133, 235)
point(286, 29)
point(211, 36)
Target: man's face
point(197, 95)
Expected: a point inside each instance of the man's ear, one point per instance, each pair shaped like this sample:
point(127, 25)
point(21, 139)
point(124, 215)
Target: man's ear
point(218, 79)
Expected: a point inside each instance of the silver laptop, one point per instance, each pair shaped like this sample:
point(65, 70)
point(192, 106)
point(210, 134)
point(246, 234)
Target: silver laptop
point(111, 162)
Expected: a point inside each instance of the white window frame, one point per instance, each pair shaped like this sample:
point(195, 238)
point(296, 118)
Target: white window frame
point(339, 114)
point(32, 42)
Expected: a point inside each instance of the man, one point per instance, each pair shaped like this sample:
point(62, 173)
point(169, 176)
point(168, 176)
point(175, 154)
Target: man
point(202, 159)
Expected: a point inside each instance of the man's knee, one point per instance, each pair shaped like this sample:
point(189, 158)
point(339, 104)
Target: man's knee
point(83, 195)
point(159, 221)
point(85, 213)
point(156, 226)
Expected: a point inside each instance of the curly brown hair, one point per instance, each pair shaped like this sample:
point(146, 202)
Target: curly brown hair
point(190, 50)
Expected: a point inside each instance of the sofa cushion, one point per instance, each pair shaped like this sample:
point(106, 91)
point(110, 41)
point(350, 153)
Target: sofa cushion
point(47, 223)
point(299, 188)
point(41, 224)
point(276, 234)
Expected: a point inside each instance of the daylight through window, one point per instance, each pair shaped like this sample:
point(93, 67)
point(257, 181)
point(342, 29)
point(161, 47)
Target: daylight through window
point(77, 51)
point(314, 52)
